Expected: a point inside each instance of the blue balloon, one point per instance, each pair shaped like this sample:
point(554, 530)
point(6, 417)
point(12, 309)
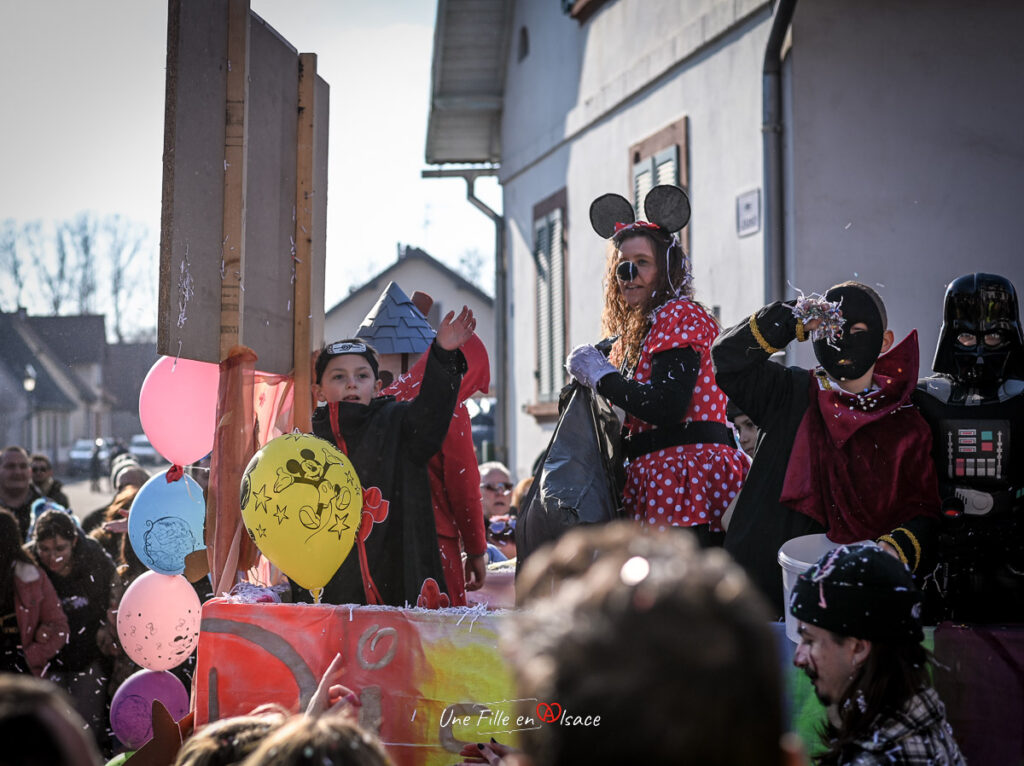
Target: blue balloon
point(166, 523)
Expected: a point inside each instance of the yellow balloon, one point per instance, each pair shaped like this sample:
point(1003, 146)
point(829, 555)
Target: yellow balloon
point(302, 503)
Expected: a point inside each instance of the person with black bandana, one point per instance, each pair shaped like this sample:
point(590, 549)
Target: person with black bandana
point(970, 561)
point(841, 451)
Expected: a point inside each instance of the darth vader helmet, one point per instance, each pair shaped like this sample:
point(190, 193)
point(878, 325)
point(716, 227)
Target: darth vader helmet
point(980, 342)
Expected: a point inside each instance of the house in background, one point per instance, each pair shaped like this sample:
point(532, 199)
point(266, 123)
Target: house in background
point(125, 370)
point(79, 345)
point(61, 381)
point(414, 270)
point(45, 404)
point(819, 141)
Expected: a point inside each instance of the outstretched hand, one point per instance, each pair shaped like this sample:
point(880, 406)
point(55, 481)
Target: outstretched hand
point(456, 330)
point(330, 696)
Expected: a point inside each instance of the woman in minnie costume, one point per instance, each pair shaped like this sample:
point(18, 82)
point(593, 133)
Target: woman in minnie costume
point(683, 467)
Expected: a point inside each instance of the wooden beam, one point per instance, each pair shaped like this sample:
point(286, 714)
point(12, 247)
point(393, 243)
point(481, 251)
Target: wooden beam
point(303, 256)
point(232, 292)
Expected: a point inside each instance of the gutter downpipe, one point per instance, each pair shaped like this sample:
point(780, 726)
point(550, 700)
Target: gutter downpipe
point(771, 130)
point(499, 387)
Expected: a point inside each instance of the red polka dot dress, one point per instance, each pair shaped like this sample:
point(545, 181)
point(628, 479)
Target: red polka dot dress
point(692, 484)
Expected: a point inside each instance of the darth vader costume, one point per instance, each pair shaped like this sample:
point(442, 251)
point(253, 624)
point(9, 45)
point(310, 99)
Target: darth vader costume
point(973, 556)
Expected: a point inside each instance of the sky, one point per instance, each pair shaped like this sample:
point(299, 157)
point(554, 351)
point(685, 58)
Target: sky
point(82, 99)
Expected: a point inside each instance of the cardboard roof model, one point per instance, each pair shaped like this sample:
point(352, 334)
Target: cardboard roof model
point(395, 326)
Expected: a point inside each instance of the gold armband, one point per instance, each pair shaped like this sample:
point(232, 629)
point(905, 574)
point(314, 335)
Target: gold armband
point(765, 346)
point(801, 334)
point(913, 542)
point(899, 551)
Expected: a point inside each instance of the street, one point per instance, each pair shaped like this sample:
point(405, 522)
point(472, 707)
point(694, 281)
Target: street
point(84, 500)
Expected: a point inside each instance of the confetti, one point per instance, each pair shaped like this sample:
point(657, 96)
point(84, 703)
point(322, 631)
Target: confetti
point(815, 307)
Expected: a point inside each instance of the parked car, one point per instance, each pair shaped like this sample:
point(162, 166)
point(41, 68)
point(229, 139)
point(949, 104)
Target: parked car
point(80, 455)
point(143, 451)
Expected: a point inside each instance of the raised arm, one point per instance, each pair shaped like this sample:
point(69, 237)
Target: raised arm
point(743, 370)
point(430, 413)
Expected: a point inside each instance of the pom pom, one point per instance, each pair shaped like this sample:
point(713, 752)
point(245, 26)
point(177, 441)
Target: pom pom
point(814, 307)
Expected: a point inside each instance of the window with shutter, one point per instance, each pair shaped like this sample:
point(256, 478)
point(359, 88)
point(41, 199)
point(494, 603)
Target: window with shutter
point(654, 170)
point(660, 159)
point(549, 254)
point(551, 298)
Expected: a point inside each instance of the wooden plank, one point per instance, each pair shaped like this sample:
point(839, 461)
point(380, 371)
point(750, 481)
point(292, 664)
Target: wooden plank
point(319, 273)
point(235, 159)
point(204, 273)
point(267, 323)
point(193, 178)
point(303, 258)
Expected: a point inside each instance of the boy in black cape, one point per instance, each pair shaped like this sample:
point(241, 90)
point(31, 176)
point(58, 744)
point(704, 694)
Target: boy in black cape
point(395, 560)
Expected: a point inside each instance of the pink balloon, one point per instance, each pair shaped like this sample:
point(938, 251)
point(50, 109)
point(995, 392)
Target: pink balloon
point(158, 620)
point(178, 408)
point(131, 709)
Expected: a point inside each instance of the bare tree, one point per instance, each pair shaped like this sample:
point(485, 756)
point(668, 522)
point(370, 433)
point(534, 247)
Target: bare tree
point(10, 261)
point(55, 282)
point(124, 241)
point(79, 237)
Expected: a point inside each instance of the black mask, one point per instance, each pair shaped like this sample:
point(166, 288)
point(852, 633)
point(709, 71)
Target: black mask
point(983, 306)
point(854, 353)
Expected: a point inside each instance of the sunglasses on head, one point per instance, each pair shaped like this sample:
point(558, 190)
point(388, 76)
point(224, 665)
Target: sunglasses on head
point(502, 527)
point(346, 347)
point(501, 486)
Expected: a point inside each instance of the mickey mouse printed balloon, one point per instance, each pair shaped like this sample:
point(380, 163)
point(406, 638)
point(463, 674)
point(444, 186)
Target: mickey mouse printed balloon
point(301, 504)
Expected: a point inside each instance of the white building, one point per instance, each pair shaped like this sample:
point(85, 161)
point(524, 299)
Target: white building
point(876, 140)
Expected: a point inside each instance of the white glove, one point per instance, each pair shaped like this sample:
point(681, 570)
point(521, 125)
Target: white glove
point(588, 365)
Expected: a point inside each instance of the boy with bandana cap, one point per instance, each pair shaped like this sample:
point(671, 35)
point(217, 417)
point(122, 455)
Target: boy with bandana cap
point(390, 443)
point(842, 450)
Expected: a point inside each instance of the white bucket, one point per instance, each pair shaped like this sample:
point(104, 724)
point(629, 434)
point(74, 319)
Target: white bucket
point(795, 557)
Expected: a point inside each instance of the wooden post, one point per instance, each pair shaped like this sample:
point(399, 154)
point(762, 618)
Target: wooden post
point(303, 256)
point(232, 292)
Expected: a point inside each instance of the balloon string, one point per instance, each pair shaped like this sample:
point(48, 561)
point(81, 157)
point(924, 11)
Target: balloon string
point(174, 473)
point(317, 593)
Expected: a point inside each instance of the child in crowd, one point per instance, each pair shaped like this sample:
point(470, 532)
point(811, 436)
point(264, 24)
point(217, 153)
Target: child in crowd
point(389, 444)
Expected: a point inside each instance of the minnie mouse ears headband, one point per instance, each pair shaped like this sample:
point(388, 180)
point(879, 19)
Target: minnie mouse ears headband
point(666, 207)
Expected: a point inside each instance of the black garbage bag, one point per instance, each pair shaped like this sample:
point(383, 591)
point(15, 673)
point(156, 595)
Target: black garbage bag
point(580, 477)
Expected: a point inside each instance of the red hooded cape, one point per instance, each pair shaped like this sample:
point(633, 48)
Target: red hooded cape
point(861, 463)
point(454, 478)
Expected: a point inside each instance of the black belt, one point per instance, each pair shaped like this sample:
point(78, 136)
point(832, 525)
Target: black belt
point(696, 432)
